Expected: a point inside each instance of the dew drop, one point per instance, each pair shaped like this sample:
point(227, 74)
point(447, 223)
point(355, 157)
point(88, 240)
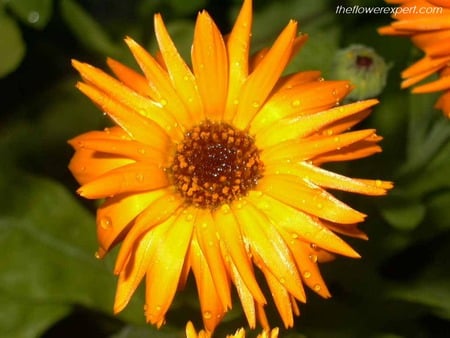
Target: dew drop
point(97, 255)
point(282, 281)
point(140, 177)
point(294, 235)
point(307, 274)
point(185, 78)
point(33, 17)
point(83, 169)
point(141, 151)
point(313, 258)
point(295, 103)
point(313, 246)
point(319, 205)
point(235, 102)
point(378, 183)
point(207, 315)
point(105, 222)
point(163, 102)
point(334, 92)
point(189, 217)
point(317, 287)
point(255, 104)
point(225, 209)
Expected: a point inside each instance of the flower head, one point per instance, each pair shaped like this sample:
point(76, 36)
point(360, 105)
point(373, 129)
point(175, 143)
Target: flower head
point(427, 22)
point(366, 70)
point(215, 170)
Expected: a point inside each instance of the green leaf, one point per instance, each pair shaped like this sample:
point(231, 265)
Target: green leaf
point(434, 294)
point(133, 331)
point(183, 7)
point(12, 45)
point(25, 318)
point(403, 213)
point(35, 13)
point(48, 241)
point(87, 30)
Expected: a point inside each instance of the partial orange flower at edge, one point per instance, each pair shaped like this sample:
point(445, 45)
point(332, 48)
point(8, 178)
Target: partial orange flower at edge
point(430, 33)
point(240, 333)
point(216, 170)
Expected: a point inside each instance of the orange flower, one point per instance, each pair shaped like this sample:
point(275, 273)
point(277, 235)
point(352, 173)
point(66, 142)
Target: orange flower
point(215, 169)
point(240, 333)
point(427, 22)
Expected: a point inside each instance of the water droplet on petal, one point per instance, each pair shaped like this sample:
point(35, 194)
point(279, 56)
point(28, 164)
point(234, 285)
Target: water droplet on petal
point(313, 258)
point(141, 151)
point(255, 104)
point(282, 280)
point(295, 103)
point(163, 102)
point(105, 222)
point(317, 287)
point(225, 209)
point(140, 177)
point(235, 102)
point(378, 183)
point(307, 274)
point(294, 235)
point(207, 314)
point(319, 205)
point(189, 217)
point(313, 246)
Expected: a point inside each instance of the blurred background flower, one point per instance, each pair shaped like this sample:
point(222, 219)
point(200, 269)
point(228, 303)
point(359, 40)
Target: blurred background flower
point(51, 285)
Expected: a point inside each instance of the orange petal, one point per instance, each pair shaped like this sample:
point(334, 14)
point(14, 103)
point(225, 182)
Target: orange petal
point(165, 268)
point(206, 232)
point(306, 259)
point(158, 211)
point(262, 80)
point(136, 125)
point(301, 150)
point(238, 46)
point(158, 79)
point(137, 265)
point(131, 78)
point(210, 302)
point(117, 212)
point(180, 75)
point(210, 64)
point(134, 177)
point(441, 84)
point(231, 237)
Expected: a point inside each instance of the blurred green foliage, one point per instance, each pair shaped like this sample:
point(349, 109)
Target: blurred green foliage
point(50, 283)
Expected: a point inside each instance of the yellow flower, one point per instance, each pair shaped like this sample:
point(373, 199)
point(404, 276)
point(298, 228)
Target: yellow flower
point(215, 170)
point(427, 22)
point(240, 333)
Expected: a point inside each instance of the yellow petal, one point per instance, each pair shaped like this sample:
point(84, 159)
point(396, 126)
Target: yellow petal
point(328, 179)
point(231, 237)
point(302, 126)
point(265, 240)
point(300, 224)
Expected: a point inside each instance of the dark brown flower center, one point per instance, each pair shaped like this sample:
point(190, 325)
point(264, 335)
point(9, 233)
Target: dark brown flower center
point(215, 164)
